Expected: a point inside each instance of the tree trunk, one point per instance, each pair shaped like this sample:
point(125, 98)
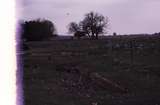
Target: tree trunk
point(92, 35)
point(96, 36)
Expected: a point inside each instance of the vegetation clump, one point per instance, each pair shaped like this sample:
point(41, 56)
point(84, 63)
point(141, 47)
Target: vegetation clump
point(37, 30)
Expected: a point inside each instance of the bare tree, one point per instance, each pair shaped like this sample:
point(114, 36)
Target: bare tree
point(76, 29)
point(94, 24)
point(73, 27)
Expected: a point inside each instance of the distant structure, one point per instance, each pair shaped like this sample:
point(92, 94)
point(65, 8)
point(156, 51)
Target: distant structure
point(156, 33)
point(114, 34)
point(79, 34)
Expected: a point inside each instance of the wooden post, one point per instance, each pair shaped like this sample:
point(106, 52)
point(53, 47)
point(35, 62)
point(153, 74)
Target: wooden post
point(111, 52)
point(131, 53)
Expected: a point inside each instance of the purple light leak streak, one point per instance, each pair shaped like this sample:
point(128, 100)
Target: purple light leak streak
point(19, 71)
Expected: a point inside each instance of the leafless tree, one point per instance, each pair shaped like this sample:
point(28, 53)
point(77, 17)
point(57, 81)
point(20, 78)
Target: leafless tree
point(94, 24)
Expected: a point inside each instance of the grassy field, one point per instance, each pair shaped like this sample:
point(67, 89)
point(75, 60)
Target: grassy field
point(135, 68)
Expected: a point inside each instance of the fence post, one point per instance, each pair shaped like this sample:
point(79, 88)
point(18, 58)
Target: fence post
point(111, 52)
point(132, 53)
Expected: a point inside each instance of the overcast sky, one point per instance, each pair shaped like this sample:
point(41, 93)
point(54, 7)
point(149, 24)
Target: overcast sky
point(126, 16)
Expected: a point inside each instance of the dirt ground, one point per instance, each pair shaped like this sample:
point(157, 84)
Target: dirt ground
point(58, 72)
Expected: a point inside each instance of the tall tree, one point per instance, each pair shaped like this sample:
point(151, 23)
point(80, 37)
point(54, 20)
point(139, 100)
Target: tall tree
point(94, 24)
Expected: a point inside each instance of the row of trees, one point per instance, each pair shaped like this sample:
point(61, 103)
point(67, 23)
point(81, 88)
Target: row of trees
point(92, 26)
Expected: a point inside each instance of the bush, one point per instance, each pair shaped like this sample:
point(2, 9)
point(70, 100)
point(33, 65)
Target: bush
point(37, 30)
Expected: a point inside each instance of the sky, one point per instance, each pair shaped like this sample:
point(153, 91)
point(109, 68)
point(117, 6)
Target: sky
point(125, 16)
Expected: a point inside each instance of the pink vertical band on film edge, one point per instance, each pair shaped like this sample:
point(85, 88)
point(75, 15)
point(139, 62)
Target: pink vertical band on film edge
point(19, 71)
